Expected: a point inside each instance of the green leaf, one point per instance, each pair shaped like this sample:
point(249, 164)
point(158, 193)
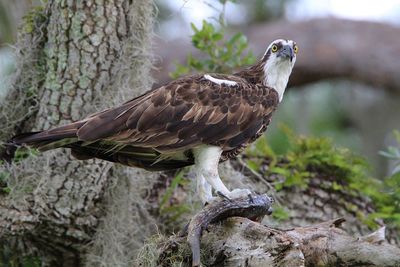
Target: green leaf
point(170, 190)
point(220, 54)
point(255, 166)
point(279, 213)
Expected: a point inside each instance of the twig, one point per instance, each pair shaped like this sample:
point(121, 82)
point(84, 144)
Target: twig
point(260, 177)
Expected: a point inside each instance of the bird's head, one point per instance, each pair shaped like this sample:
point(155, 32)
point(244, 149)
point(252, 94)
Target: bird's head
point(281, 52)
point(278, 62)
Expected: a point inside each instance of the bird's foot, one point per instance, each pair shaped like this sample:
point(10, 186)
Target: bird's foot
point(236, 193)
point(211, 200)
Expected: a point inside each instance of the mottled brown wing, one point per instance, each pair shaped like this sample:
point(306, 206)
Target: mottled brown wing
point(186, 113)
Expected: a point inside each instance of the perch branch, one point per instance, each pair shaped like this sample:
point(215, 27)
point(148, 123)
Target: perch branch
point(239, 241)
point(252, 207)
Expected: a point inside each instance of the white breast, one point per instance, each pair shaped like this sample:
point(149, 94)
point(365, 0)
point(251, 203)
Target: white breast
point(277, 77)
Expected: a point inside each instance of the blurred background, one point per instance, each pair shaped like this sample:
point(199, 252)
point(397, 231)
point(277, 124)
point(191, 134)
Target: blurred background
point(356, 115)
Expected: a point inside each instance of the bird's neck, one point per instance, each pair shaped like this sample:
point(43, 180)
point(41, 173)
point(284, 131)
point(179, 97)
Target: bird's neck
point(276, 76)
point(253, 74)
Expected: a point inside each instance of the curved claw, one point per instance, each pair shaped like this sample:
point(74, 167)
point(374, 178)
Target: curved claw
point(219, 193)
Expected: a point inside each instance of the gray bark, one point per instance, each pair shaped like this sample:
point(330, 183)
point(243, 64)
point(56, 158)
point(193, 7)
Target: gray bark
point(79, 57)
point(241, 242)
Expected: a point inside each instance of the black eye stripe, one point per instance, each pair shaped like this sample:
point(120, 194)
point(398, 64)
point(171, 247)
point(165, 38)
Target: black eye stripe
point(278, 46)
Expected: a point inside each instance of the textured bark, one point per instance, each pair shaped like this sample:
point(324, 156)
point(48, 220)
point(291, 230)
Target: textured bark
point(242, 242)
point(328, 48)
point(85, 52)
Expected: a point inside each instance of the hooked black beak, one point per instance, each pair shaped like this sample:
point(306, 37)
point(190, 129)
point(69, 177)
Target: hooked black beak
point(286, 52)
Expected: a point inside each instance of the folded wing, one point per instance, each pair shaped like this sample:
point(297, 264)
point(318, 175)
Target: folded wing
point(184, 114)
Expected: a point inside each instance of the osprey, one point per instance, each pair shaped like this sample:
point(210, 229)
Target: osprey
point(199, 119)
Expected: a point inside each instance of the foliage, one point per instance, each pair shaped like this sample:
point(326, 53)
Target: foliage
point(168, 208)
point(388, 198)
point(308, 157)
point(280, 213)
point(393, 153)
point(222, 53)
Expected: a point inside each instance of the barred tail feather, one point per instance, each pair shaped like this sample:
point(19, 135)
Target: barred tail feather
point(50, 139)
point(146, 158)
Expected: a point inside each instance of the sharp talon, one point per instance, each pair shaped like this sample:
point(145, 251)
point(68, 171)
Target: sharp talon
point(250, 198)
point(223, 196)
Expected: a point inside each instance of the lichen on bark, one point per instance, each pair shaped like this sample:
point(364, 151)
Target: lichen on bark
point(92, 55)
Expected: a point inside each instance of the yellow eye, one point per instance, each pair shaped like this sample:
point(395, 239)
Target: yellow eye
point(295, 49)
point(274, 48)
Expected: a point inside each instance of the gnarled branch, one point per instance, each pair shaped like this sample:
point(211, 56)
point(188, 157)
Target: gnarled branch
point(242, 242)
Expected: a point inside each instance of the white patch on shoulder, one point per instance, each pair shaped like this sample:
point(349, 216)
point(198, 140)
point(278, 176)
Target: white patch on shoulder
point(220, 81)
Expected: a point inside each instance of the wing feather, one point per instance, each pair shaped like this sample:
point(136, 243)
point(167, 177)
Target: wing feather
point(186, 113)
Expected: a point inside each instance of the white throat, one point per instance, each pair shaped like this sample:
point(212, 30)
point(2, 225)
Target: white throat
point(276, 75)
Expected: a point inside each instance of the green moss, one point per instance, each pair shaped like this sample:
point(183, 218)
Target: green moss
point(344, 172)
point(20, 155)
point(35, 16)
point(280, 213)
point(32, 39)
point(4, 175)
point(173, 251)
point(307, 157)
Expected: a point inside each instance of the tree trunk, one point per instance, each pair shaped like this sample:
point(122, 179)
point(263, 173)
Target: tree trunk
point(75, 58)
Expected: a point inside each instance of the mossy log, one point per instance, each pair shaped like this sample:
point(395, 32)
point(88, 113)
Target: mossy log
point(240, 241)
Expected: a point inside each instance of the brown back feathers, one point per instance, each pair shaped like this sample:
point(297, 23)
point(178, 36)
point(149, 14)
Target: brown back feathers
point(172, 119)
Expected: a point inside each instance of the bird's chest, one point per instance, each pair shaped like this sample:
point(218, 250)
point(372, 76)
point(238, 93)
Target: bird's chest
point(233, 152)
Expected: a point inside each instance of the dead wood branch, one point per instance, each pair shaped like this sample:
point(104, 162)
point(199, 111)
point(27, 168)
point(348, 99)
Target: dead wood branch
point(242, 242)
point(251, 207)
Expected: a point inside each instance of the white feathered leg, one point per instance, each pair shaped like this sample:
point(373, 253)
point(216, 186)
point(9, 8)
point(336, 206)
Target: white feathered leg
point(206, 164)
point(203, 189)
